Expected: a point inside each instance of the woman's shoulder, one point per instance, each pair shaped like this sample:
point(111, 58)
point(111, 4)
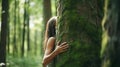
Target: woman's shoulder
point(51, 41)
point(52, 38)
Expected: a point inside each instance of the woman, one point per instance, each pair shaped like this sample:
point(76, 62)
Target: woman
point(49, 43)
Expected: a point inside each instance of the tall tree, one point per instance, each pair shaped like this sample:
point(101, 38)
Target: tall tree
point(79, 25)
point(5, 18)
point(111, 34)
point(46, 10)
point(14, 37)
point(28, 27)
point(8, 33)
point(24, 30)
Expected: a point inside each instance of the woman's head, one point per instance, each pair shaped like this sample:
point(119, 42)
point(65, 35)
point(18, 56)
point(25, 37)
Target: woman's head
point(50, 29)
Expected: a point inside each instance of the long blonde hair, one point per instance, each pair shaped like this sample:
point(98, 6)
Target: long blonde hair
point(50, 30)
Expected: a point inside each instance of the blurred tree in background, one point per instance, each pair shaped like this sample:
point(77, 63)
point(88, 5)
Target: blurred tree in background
point(111, 34)
point(22, 27)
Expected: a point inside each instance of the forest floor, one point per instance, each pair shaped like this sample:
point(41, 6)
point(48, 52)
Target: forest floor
point(24, 62)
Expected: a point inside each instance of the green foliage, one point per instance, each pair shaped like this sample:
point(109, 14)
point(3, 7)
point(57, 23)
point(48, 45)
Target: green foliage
point(24, 62)
point(35, 11)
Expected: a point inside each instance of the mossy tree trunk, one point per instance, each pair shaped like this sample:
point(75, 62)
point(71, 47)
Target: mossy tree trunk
point(111, 34)
point(79, 25)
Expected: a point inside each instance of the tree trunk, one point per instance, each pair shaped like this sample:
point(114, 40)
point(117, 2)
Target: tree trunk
point(19, 30)
point(79, 25)
point(5, 18)
point(8, 34)
point(28, 27)
point(24, 30)
point(14, 37)
point(46, 10)
point(111, 34)
point(28, 35)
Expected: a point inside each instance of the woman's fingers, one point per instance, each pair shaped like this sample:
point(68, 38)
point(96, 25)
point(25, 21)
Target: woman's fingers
point(63, 43)
point(65, 46)
point(62, 47)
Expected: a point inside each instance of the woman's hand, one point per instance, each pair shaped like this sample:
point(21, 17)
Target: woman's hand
point(61, 47)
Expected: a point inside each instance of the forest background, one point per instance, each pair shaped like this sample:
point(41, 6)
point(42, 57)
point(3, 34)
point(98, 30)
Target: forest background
point(24, 28)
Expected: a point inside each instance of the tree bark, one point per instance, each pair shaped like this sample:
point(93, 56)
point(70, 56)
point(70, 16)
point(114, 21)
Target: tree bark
point(79, 25)
point(111, 34)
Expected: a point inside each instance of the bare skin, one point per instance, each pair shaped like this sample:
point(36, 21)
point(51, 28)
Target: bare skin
point(50, 54)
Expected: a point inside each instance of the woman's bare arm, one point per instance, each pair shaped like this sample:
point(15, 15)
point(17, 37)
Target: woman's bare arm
point(49, 54)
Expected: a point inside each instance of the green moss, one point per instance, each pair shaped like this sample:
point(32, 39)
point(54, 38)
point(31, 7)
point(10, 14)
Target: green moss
point(85, 36)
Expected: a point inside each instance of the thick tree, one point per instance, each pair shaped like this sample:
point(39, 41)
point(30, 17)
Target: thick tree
point(111, 34)
point(4, 24)
point(79, 25)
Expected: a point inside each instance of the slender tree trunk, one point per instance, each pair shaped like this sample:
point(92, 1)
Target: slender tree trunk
point(8, 34)
point(24, 30)
point(111, 34)
point(14, 37)
point(5, 18)
point(28, 35)
point(79, 25)
point(46, 10)
point(19, 28)
point(28, 28)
